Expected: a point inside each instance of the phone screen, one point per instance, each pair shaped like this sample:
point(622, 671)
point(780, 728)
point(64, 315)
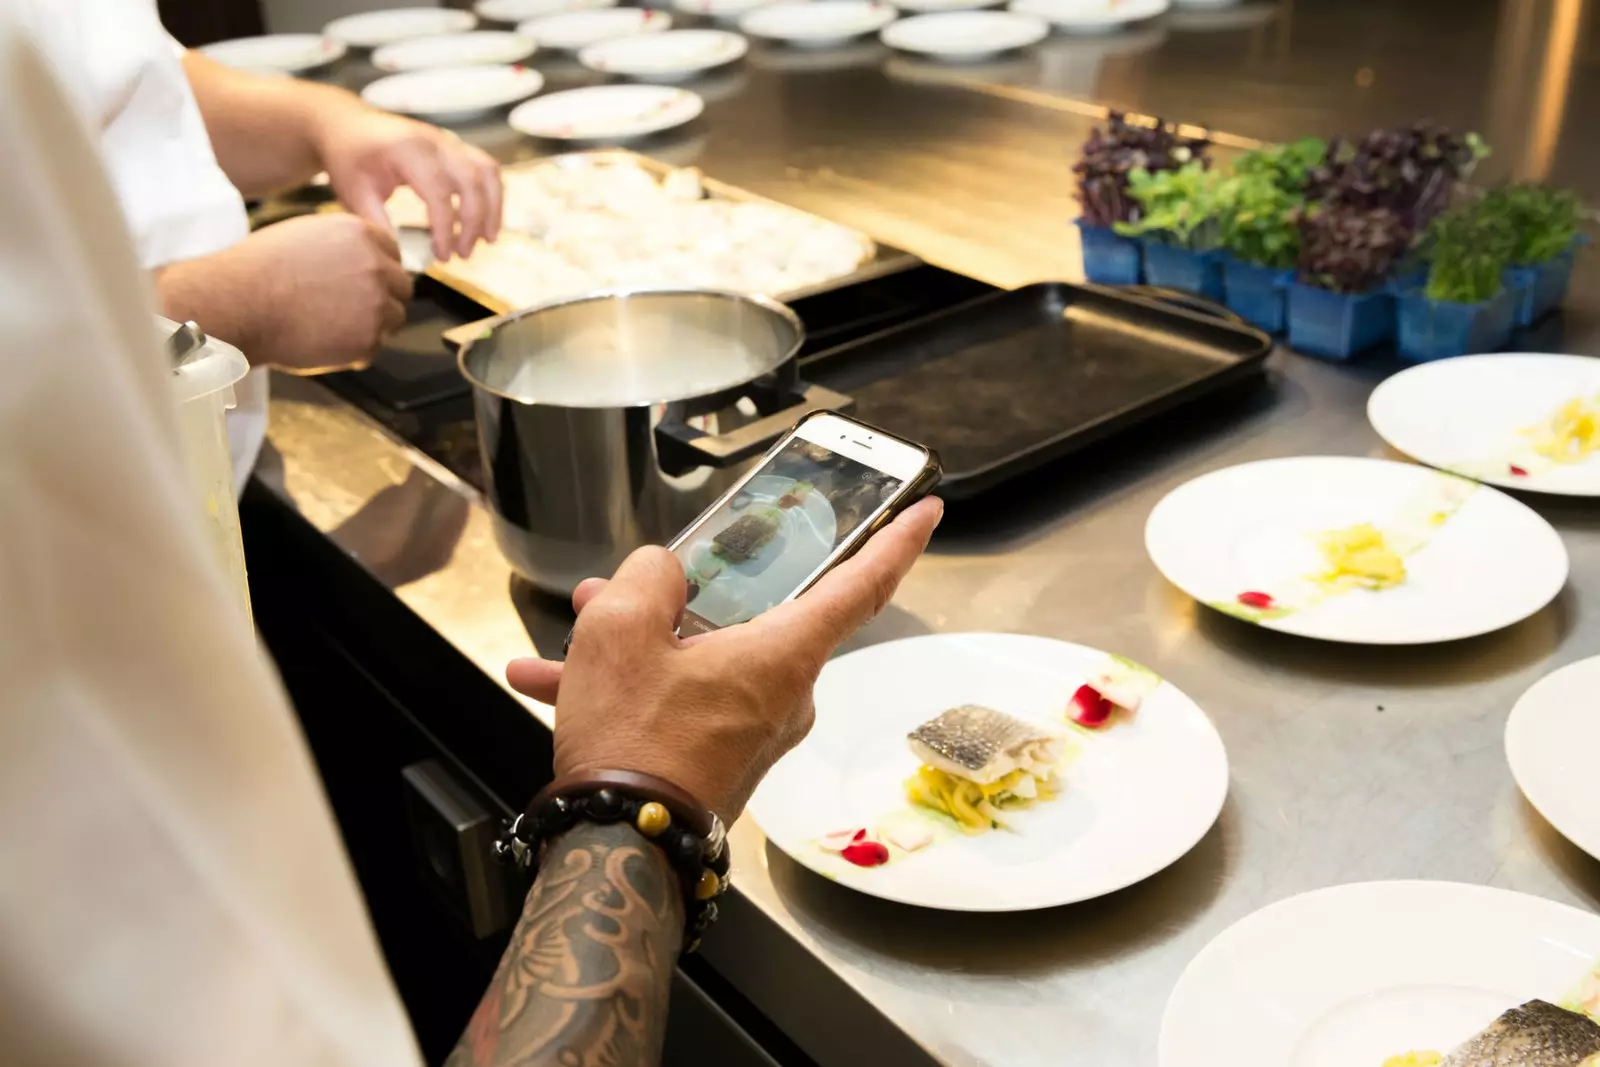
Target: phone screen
point(768, 539)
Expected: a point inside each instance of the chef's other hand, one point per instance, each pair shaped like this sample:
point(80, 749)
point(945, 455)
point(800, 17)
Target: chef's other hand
point(310, 294)
point(369, 153)
point(712, 713)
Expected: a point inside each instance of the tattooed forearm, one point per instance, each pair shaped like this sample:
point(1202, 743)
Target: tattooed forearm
point(584, 981)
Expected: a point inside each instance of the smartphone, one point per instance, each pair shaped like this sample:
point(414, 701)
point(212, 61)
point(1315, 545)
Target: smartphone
point(817, 495)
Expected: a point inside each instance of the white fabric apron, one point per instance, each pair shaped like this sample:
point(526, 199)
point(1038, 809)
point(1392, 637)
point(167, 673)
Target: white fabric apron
point(173, 892)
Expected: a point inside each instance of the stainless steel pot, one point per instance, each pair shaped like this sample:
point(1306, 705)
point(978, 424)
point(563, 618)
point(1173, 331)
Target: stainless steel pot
point(611, 420)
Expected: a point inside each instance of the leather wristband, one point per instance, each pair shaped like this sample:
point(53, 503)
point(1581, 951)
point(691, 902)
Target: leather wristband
point(692, 837)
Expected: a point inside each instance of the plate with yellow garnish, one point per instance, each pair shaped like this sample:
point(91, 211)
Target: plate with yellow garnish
point(994, 772)
point(1364, 551)
point(1519, 420)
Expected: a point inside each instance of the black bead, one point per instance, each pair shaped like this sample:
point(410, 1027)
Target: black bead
point(686, 851)
point(605, 805)
point(720, 863)
point(707, 916)
point(557, 817)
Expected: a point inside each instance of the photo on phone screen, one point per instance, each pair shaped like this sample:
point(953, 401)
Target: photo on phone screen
point(769, 538)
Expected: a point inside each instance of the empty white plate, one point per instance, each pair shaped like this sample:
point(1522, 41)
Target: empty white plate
point(453, 93)
point(574, 30)
point(964, 35)
point(454, 50)
point(722, 10)
point(665, 56)
point(1243, 541)
point(1091, 16)
point(1349, 976)
point(1135, 795)
point(1471, 415)
point(1552, 740)
point(290, 53)
point(374, 29)
point(819, 23)
point(514, 11)
point(606, 112)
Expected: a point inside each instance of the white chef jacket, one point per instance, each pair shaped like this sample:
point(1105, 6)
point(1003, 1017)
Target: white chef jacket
point(173, 892)
point(126, 76)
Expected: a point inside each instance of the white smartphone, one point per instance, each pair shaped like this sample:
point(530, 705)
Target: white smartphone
point(815, 498)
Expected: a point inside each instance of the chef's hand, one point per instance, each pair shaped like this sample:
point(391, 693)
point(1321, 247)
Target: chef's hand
point(369, 153)
point(711, 713)
point(311, 294)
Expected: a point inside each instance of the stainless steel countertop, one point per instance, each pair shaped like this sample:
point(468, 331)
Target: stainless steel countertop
point(1347, 763)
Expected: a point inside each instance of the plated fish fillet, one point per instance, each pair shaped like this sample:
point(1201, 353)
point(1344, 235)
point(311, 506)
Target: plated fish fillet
point(1538, 1034)
point(983, 745)
point(745, 536)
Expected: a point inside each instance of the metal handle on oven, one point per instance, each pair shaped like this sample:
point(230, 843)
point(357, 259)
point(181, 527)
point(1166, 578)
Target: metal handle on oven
point(681, 448)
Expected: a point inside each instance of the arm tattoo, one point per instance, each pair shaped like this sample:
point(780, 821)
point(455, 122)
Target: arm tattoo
point(584, 981)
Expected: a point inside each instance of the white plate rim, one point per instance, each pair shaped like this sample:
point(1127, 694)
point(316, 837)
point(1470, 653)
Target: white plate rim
point(489, 10)
point(1177, 1050)
point(330, 50)
point(882, 14)
point(531, 80)
point(1522, 732)
point(1287, 625)
point(519, 49)
point(449, 20)
point(1130, 12)
point(692, 104)
point(593, 56)
point(1379, 405)
point(646, 20)
point(891, 34)
point(1220, 773)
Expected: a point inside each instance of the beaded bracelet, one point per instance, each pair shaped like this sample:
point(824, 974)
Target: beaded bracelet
point(692, 838)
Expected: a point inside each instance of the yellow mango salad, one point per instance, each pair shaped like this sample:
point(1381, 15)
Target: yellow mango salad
point(1570, 434)
point(1414, 1059)
point(976, 807)
point(1359, 557)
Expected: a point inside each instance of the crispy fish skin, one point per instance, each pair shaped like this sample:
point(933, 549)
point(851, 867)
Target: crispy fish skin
point(980, 744)
point(744, 537)
point(1538, 1034)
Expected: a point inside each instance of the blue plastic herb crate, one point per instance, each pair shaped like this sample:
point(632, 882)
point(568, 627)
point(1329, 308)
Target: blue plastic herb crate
point(1177, 268)
point(1255, 293)
point(1541, 288)
point(1437, 329)
point(1109, 258)
point(1337, 325)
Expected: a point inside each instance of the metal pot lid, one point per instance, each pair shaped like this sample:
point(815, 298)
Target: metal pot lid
point(632, 348)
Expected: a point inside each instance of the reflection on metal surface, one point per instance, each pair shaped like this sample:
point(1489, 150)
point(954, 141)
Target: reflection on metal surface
point(1555, 77)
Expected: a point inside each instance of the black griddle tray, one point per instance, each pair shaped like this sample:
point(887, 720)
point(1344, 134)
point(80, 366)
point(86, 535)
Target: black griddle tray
point(1002, 383)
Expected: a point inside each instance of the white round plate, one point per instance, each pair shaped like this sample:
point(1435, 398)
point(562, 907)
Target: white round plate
point(606, 112)
point(819, 22)
point(454, 50)
point(1091, 16)
point(1467, 415)
point(965, 35)
point(1139, 793)
point(721, 10)
point(1477, 560)
point(1552, 738)
point(374, 29)
point(805, 537)
point(453, 92)
point(575, 30)
point(289, 53)
point(1349, 976)
point(665, 56)
point(514, 11)
point(925, 7)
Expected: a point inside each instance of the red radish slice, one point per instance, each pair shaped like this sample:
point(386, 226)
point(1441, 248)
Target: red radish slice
point(867, 853)
point(1089, 708)
point(1518, 471)
point(1256, 600)
point(840, 840)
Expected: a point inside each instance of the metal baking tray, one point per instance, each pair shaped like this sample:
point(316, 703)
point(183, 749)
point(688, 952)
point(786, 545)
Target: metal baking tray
point(1002, 383)
point(886, 259)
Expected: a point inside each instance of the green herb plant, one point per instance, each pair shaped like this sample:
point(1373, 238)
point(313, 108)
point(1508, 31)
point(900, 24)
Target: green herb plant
point(1471, 246)
point(1544, 222)
point(1263, 201)
point(1178, 206)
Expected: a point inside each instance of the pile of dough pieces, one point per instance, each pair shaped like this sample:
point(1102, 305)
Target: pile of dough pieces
point(610, 224)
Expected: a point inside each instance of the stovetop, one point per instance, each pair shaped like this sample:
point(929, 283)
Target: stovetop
point(414, 388)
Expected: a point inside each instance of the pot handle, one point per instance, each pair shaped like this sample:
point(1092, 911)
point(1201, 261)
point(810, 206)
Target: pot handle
point(458, 336)
point(680, 448)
